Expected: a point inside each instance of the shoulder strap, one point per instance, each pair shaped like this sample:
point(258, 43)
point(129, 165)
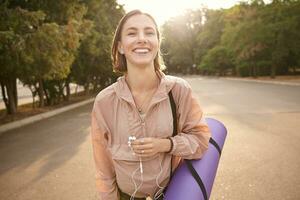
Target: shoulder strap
point(173, 106)
point(188, 162)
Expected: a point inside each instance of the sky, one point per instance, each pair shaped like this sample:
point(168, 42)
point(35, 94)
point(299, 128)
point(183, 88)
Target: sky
point(162, 10)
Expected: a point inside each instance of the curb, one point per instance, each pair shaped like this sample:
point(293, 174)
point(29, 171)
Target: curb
point(35, 118)
point(264, 81)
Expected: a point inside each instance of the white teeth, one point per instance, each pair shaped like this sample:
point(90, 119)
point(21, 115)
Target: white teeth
point(141, 50)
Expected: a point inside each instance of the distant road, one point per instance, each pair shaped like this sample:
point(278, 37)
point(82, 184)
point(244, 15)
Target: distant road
point(260, 159)
point(52, 159)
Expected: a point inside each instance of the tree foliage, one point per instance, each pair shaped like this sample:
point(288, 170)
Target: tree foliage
point(92, 66)
point(15, 26)
point(217, 61)
point(47, 45)
point(257, 38)
point(180, 41)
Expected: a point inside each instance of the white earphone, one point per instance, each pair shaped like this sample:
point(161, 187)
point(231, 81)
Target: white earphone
point(130, 139)
point(159, 192)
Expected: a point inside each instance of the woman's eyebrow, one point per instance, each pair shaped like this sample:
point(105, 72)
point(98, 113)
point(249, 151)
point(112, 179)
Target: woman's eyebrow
point(131, 28)
point(149, 28)
point(134, 28)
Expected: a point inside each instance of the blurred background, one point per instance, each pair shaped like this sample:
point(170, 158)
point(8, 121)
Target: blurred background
point(54, 53)
point(47, 45)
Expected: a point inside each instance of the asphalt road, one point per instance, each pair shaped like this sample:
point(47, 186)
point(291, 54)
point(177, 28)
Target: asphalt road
point(260, 159)
point(52, 159)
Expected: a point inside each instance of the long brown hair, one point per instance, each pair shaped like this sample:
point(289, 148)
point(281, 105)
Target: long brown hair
point(118, 59)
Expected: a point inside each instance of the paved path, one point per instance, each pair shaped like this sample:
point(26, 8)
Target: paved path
point(48, 160)
point(52, 159)
point(260, 158)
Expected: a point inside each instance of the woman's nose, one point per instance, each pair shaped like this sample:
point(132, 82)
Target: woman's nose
point(141, 37)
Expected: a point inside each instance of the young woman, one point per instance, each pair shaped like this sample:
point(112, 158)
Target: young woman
point(132, 121)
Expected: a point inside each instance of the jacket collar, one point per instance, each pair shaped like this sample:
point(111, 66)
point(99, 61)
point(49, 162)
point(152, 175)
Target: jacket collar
point(166, 84)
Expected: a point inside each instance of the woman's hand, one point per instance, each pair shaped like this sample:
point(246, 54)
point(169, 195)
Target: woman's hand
point(147, 147)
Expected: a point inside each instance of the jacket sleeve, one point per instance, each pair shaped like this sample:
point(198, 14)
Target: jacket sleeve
point(192, 140)
point(105, 173)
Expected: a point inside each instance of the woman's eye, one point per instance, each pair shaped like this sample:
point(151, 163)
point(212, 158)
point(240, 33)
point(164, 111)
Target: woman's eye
point(131, 33)
point(150, 33)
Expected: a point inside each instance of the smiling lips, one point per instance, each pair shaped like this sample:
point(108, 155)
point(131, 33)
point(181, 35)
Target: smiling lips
point(141, 50)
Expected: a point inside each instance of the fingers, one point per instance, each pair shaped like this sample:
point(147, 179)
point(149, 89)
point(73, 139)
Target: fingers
point(143, 152)
point(142, 147)
point(142, 141)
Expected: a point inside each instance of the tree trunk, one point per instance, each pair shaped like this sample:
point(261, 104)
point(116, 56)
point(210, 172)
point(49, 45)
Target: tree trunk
point(5, 100)
point(60, 93)
point(9, 93)
point(254, 71)
point(258, 71)
point(32, 90)
point(48, 96)
point(41, 93)
point(294, 70)
point(15, 91)
point(33, 99)
point(273, 71)
point(76, 89)
point(237, 71)
point(68, 89)
point(97, 82)
point(87, 88)
point(11, 99)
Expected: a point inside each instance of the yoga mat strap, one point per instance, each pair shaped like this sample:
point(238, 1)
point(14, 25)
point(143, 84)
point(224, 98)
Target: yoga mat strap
point(188, 162)
point(197, 178)
point(213, 142)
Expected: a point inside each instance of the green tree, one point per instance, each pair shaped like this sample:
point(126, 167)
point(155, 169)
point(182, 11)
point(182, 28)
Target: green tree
point(15, 25)
point(262, 39)
point(211, 34)
point(217, 60)
point(49, 55)
point(92, 66)
point(66, 18)
point(179, 41)
point(282, 19)
point(245, 36)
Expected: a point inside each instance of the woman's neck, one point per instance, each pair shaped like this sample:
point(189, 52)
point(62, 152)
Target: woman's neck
point(140, 80)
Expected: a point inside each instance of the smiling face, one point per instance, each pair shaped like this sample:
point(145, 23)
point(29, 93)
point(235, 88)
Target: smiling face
point(139, 41)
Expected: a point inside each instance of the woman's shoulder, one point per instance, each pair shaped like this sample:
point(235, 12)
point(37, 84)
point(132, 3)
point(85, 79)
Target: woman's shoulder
point(106, 94)
point(178, 82)
point(180, 87)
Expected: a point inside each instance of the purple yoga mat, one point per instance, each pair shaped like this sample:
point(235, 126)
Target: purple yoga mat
point(183, 186)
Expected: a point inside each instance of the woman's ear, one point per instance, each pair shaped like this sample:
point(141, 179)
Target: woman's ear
point(120, 48)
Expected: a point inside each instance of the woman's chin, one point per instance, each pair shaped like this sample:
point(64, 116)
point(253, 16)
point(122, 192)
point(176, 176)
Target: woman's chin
point(142, 63)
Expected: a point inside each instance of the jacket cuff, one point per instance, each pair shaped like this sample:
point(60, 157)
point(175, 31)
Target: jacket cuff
point(174, 145)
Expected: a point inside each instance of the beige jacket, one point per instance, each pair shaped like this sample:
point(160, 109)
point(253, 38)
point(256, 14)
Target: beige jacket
point(115, 118)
